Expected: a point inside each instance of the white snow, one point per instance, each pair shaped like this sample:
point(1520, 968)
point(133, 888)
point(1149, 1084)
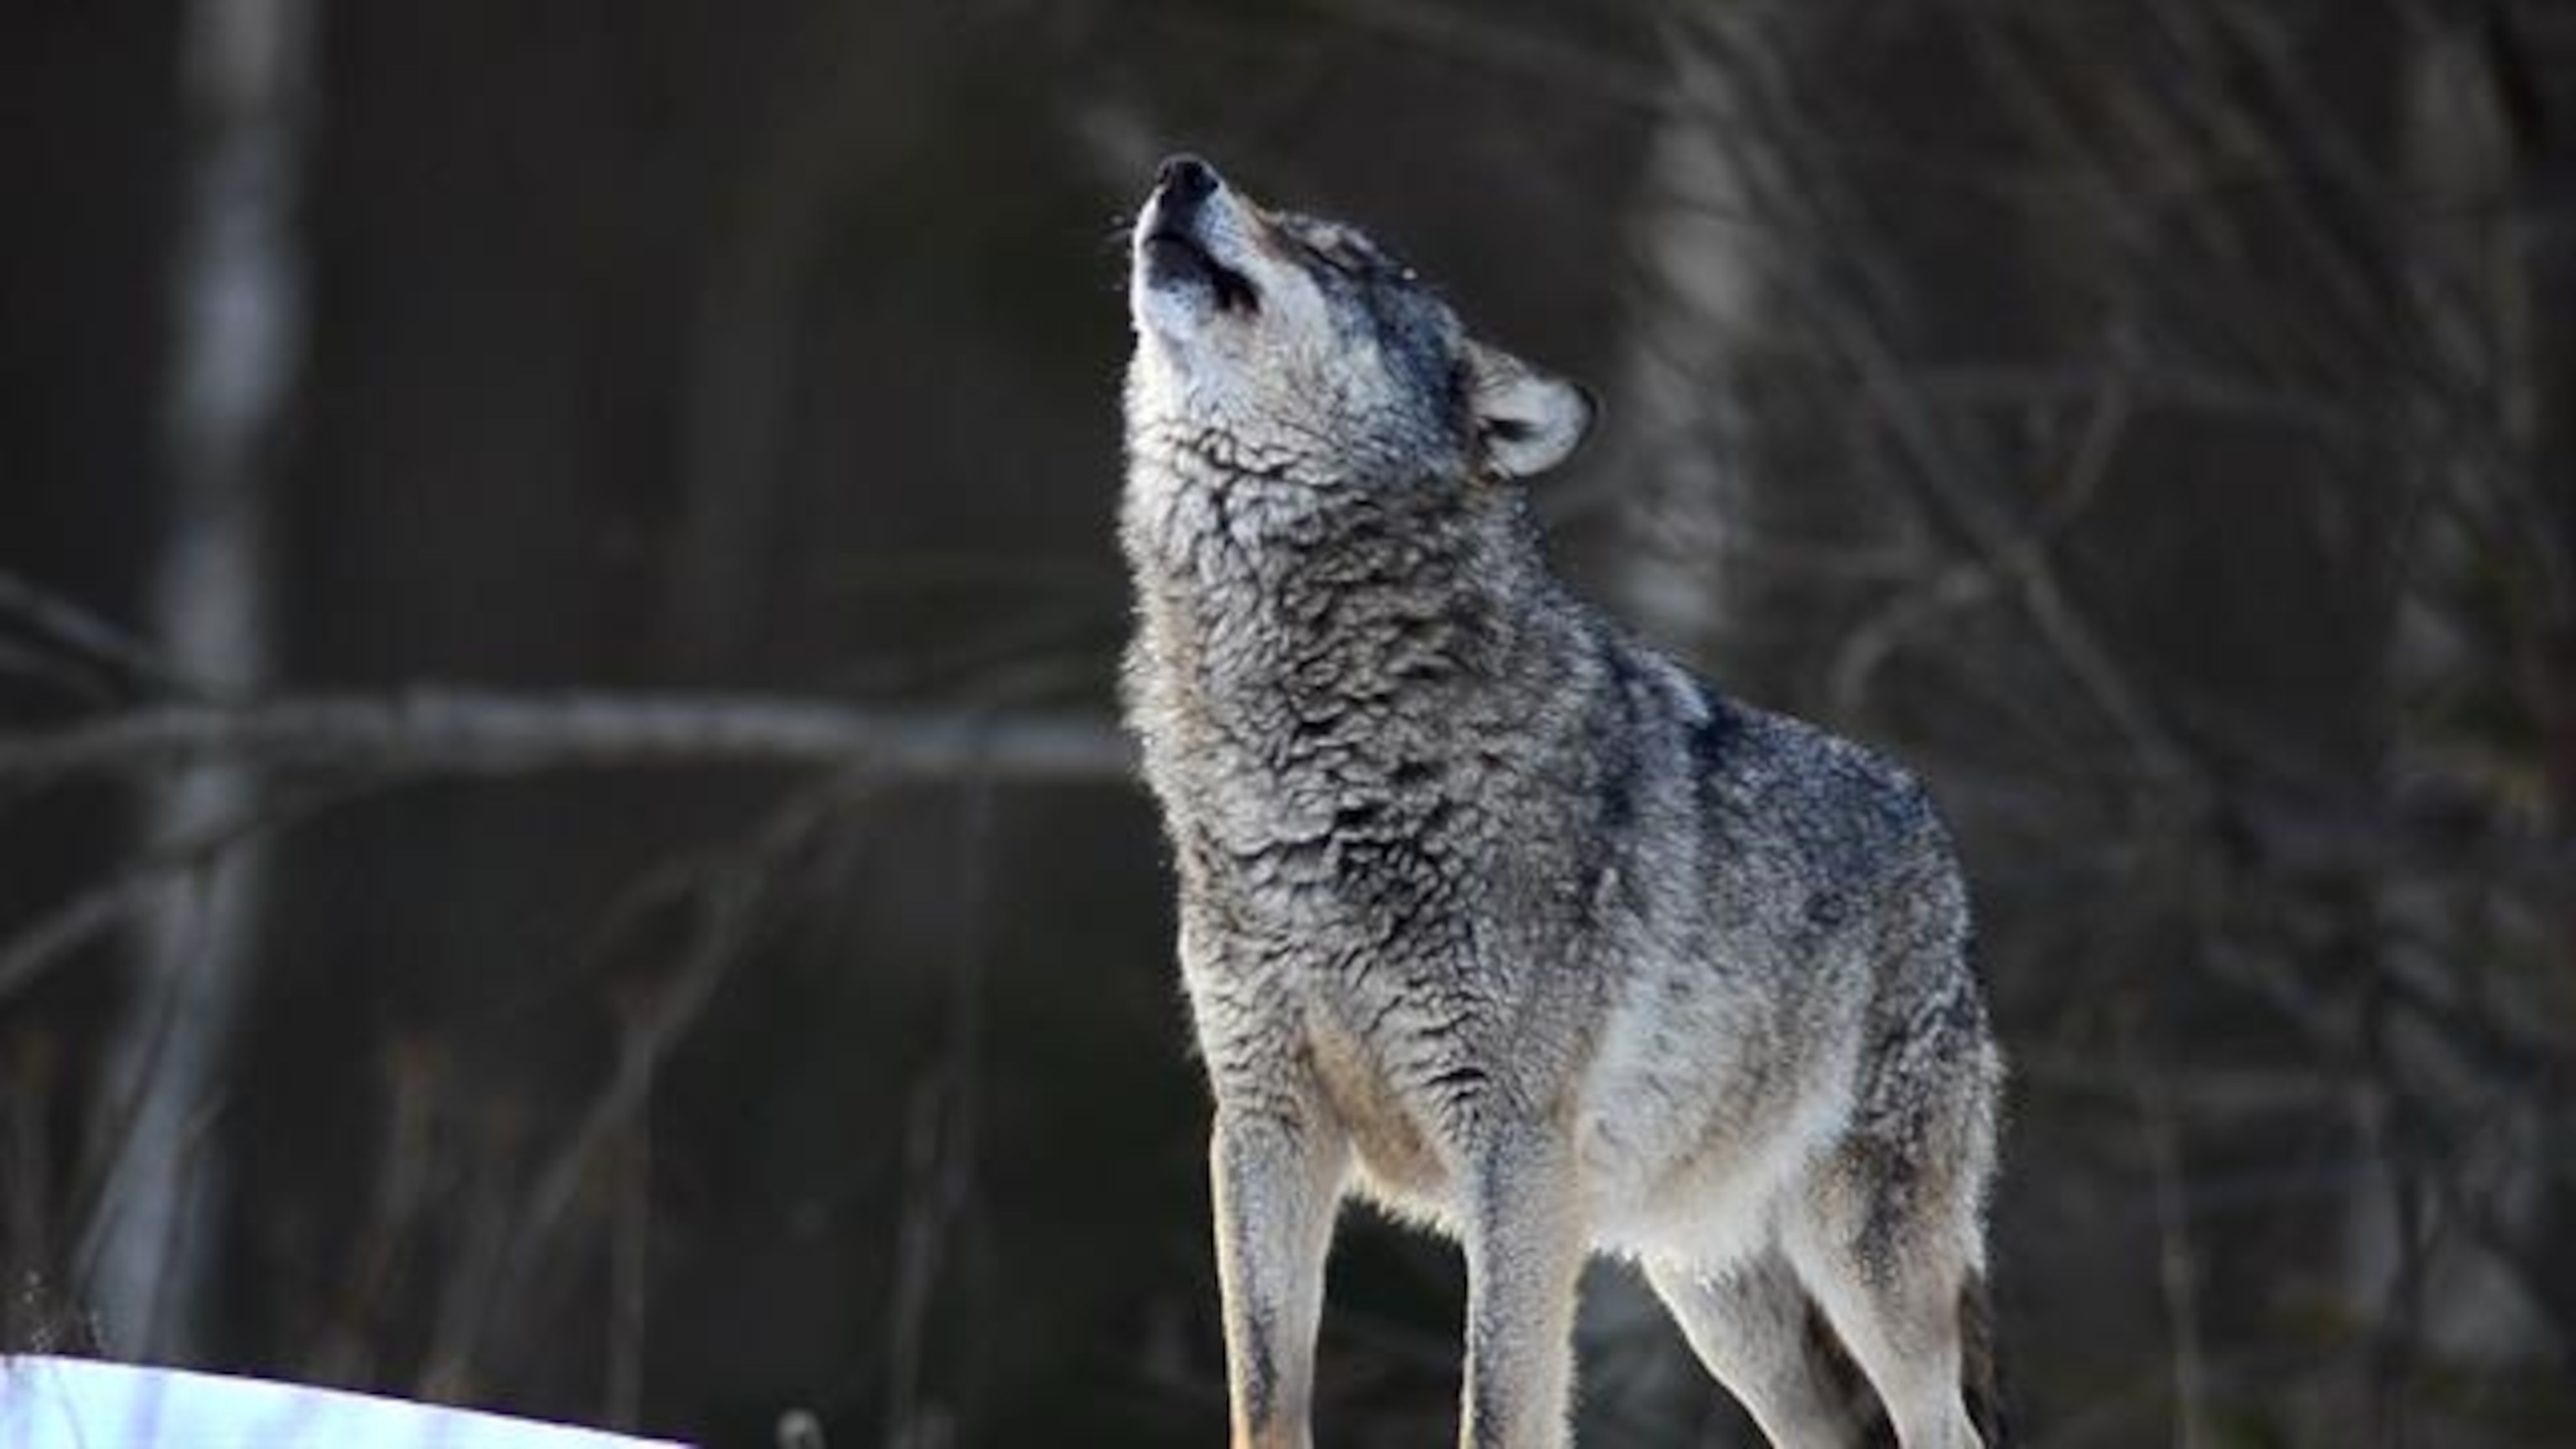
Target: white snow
point(61, 1403)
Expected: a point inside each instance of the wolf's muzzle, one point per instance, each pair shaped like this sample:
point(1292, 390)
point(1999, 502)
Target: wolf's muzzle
point(1174, 246)
point(1182, 184)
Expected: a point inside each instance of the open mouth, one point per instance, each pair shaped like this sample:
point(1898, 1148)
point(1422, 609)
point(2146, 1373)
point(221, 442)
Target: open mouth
point(1174, 258)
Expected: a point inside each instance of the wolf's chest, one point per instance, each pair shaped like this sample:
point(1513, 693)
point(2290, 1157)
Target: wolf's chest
point(1408, 1050)
point(1366, 963)
point(1393, 1124)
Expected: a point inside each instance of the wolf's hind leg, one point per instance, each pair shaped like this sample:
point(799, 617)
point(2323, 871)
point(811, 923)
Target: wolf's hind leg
point(1760, 1335)
point(1889, 1256)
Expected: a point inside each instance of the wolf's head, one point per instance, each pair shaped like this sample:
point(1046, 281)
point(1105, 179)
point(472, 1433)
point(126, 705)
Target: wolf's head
point(1298, 347)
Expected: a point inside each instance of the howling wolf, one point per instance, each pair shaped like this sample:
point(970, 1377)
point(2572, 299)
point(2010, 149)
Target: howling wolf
point(1492, 916)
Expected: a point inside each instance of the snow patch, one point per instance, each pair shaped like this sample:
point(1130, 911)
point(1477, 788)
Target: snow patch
point(61, 1403)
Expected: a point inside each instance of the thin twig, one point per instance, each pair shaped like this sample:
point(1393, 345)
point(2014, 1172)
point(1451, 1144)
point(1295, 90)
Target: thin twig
point(91, 637)
point(2177, 1268)
point(939, 1154)
point(29, 951)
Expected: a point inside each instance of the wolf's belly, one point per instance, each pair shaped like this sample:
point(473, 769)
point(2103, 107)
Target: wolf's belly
point(1698, 1115)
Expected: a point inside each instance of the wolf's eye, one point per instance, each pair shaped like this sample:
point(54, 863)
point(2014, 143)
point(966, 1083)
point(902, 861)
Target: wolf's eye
point(1336, 254)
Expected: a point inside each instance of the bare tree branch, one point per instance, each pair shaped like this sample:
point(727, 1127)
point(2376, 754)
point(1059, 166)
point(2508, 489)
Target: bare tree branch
point(434, 731)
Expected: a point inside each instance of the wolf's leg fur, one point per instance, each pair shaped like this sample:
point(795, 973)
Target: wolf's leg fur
point(1886, 1253)
point(1525, 1249)
point(1981, 1375)
point(1276, 1186)
point(1758, 1333)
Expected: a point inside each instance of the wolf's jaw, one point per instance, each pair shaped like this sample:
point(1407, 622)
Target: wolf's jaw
point(1172, 260)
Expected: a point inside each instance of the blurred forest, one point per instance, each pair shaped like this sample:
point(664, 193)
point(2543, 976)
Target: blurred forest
point(563, 845)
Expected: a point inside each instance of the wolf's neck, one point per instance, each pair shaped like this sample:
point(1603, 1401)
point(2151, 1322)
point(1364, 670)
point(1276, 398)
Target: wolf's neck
point(1250, 581)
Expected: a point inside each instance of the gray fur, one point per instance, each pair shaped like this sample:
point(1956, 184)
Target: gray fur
point(1496, 918)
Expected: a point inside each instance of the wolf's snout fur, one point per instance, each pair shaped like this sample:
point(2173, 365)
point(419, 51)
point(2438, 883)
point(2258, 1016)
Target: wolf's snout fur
point(1496, 918)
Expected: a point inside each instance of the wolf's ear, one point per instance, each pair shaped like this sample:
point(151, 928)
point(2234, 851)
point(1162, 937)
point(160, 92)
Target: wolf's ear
point(1527, 420)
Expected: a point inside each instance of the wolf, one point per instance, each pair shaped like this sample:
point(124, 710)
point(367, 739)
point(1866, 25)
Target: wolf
point(1492, 916)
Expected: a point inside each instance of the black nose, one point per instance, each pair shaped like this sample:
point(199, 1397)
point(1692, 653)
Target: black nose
point(1185, 180)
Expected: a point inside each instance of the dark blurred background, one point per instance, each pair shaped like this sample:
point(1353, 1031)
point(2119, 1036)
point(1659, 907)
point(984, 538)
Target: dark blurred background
point(448, 453)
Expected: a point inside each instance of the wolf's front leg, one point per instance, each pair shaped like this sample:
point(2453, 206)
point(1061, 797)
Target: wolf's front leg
point(1277, 1183)
point(1525, 1249)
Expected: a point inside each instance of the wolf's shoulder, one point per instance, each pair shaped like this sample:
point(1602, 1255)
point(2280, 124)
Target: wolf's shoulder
point(1777, 789)
point(1760, 754)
